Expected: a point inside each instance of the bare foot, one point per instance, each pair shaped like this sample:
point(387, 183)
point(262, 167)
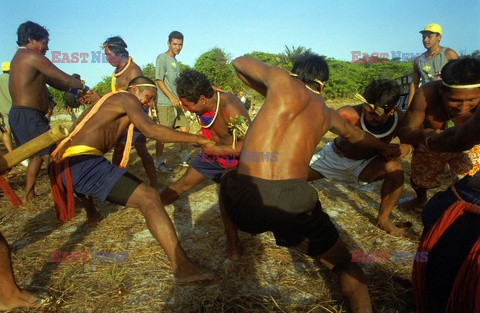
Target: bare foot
point(234, 253)
point(28, 198)
point(93, 218)
point(410, 203)
point(194, 274)
point(391, 229)
point(26, 299)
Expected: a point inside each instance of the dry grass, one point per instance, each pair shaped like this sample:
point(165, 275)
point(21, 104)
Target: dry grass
point(267, 279)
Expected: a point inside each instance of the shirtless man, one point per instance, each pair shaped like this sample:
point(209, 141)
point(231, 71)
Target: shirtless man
point(30, 71)
point(214, 108)
point(265, 195)
point(428, 66)
point(125, 71)
point(437, 106)
point(340, 159)
point(436, 292)
point(93, 175)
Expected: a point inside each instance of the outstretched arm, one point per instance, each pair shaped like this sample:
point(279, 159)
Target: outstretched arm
point(55, 77)
point(410, 129)
point(458, 138)
point(355, 135)
point(254, 73)
point(146, 126)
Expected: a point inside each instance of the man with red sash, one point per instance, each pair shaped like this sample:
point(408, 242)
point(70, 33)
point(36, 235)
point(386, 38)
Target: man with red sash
point(216, 109)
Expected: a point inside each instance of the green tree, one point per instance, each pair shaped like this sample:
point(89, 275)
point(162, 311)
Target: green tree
point(216, 66)
point(292, 54)
point(149, 71)
point(104, 86)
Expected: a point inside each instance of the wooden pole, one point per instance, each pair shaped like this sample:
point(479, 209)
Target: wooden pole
point(31, 147)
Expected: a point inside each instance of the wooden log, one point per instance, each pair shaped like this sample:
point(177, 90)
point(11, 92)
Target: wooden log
point(31, 147)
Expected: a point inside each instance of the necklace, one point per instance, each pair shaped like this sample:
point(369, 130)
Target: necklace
point(435, 52)
point(314, 91)
point(125, 68)
point(216, 112)
point(21, 48)
point(380, 131)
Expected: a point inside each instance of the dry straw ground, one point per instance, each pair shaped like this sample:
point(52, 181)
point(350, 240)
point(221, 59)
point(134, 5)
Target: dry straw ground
point(267, 279)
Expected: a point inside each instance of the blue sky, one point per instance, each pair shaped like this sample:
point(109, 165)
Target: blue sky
point(331, 28)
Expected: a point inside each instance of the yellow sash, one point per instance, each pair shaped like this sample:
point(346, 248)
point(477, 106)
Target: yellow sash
point(81, 150)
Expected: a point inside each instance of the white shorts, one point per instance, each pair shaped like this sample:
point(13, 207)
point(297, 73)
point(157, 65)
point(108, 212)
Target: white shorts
point(332, 165)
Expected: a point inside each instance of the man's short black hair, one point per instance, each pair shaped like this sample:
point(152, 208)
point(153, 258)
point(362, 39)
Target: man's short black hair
point(463, 71)
point(30, 30)
point(117, 46)
point(382, 93)
point(192, 84)
point(175, 35)
point(310, 67)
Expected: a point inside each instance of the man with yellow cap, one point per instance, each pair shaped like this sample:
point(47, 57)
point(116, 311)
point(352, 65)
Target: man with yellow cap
point(427, 67)
point(5, 105)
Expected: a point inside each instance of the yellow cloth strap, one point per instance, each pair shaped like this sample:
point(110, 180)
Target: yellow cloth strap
point(81, 150)
point(128, 147)
point(113, 85)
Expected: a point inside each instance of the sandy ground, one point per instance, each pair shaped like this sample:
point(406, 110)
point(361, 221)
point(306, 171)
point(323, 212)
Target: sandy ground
point(267, 278)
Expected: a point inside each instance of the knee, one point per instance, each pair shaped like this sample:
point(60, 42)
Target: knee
point(394, 168)
point(150, 199)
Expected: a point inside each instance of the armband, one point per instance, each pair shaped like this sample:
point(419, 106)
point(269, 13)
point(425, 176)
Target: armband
point(75, 91)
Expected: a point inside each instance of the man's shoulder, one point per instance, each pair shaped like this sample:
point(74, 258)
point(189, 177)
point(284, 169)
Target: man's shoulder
point(163, 56)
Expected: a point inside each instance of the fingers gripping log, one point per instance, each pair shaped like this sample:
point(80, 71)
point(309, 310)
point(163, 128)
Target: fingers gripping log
point(31, 147)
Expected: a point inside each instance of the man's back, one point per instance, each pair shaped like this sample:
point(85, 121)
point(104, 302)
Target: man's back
point(284, 128)
point(105, 127)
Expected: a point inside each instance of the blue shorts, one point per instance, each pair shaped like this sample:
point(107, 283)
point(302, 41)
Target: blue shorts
point(95, 176)
point(137, 137)
point(26, 124)
point(208, 166)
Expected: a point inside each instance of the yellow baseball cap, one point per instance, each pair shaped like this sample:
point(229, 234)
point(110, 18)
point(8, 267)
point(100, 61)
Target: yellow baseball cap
point(433, 28)
point(6, 66)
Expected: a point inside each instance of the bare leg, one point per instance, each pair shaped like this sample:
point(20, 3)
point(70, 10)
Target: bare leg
point(159, 148)
point(158, 222)
point(350, 277)
point(93, 216)
point(11, 296)
point(7, 140)
point(148, 163)
point(234, 245)
point(33, 169)
point(190, 179)
point(392, 174)
point(419, 201)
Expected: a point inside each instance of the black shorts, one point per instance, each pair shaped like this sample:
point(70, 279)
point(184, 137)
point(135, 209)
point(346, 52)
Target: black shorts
point(288, 208)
